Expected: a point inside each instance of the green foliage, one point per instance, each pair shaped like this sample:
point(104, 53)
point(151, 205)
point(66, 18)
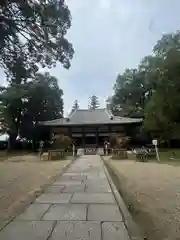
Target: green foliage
point(118, 141)
point(152, 90)
point(75, 106)
point(93, 102)
point(24, 105)
point(32, 36)
point(61, 141)
point(35, 29)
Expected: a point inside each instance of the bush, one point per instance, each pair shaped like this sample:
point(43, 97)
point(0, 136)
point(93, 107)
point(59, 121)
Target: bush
point(61, 142)
point(118, 141)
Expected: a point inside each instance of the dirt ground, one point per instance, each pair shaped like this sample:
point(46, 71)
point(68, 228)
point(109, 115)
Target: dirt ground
point(152, 193)
point(21, 179)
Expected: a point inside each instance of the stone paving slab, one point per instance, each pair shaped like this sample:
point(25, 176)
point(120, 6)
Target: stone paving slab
point(66, 183)
point(100, 184)
point(67, 212)
point(114, 231)
point(92, 176)
point(93, 198)
point(77, 231)
point(72, 178)
point(54, 189)
point(97, 181)
point(103, 212)
point(74, 174)
point(97, 188)
point(34, 212)
point(54, 198)
point(74, 188)
point(79, 204)
point(27, 230)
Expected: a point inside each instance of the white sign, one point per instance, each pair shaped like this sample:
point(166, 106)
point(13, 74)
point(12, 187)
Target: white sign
point(154, 142)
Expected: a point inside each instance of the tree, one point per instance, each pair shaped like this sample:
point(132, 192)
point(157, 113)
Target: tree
point(61, 142)
point(37, 27)
point(152, 90)
point(118, 141)
point(93, 102)
point(75, 106)
point(129, 94)
point(24, 105)
point(162, 113)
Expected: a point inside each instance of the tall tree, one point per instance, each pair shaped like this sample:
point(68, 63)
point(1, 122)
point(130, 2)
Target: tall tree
point(129, 94)
point(39, 27)
point(23, 105)
point(75, 106)
point(152, 90)
point(162, 113)
point(93, 102)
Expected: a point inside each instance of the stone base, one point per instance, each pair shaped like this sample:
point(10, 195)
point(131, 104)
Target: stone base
point(44, 156)
point(56, 154)
point(119, 154)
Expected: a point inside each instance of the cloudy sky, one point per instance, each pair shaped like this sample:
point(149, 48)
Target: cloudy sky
point(109, 36)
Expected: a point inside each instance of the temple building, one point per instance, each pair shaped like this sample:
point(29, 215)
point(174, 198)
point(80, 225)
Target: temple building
point(90, 128)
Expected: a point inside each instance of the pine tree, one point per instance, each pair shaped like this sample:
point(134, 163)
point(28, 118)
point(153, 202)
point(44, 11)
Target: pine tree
point(93, 102)
point(75, 106)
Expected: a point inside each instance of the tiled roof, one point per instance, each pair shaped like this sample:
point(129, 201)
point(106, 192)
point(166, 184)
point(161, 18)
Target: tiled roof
point(85, 116)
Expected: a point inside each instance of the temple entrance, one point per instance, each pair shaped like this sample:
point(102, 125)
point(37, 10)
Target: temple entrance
point(90, 141)
point(78, 141)
point(101, 140)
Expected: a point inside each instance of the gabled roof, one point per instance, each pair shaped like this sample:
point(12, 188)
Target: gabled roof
point(86, 117)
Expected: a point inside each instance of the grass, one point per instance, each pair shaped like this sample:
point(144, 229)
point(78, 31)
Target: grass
point(20, 182)
point(166, 156)
point(150, 191)
point(4, 155)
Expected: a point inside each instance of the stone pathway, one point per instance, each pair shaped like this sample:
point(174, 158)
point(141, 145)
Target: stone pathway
point(78, 206)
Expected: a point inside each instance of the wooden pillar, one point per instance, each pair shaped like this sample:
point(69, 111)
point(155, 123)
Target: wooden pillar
point(97, 138)
point(109, 130)
point(70, 132)
point(83, 137)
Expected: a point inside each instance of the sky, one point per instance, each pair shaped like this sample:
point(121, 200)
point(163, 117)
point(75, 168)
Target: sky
point(109, 36)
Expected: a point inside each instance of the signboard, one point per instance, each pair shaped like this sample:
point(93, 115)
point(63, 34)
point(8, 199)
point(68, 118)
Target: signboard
point(90, 151)
point(154, 142)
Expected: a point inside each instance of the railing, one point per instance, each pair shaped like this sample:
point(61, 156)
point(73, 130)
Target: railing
point(56, 154)
point(89, 151)
point(119, 153)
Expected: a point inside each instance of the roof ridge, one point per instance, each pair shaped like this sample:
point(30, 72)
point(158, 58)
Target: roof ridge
point(109, 113)
point(90, 109)
point(70, 115)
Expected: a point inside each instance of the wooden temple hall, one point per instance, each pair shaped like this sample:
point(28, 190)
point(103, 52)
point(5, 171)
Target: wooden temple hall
point(90, 128)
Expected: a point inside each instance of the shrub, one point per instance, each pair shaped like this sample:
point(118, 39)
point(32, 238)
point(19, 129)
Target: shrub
point(118, 141)
point(61, 142)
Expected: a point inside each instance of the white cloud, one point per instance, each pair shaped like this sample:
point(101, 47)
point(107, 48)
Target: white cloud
point(105, 4)
point(108, 36)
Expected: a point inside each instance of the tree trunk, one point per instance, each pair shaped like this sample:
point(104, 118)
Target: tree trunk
point(34, 145)
point(11, 141)
point(169, 143)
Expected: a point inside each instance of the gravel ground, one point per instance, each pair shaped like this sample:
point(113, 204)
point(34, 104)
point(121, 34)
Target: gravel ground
point(152, 193)
point(21, 178)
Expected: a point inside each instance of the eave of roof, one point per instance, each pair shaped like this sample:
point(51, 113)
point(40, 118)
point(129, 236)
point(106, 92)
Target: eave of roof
point(91, 117)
